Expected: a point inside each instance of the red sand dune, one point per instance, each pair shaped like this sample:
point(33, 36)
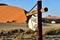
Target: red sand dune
point(52, 17)
point(10, 13)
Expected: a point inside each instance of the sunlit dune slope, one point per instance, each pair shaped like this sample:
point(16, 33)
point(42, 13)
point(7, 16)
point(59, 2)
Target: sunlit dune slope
point(11, 13)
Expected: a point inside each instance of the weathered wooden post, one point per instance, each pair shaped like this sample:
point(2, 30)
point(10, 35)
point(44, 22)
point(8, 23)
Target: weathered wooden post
point(39, 7)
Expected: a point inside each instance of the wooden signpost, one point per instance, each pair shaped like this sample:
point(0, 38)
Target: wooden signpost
point(39, 7)
point(40, 11)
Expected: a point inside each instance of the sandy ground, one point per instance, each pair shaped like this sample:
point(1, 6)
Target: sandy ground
point(46, 27)
point(27, 34)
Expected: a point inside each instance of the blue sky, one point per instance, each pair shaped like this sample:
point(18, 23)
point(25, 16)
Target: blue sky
point(52, 5)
